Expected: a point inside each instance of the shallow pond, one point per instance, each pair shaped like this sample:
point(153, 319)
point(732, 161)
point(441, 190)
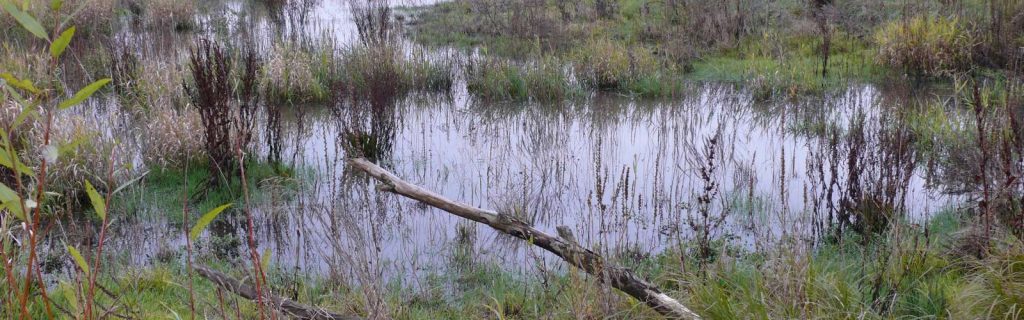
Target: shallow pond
point(626, 175)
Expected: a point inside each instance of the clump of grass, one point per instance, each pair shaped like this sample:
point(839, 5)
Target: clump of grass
point(492, 79)
point(605, 64)
point(178, 15)
point(926, 46)
point(376, 73)
point(543, 81)
point(381, 73)
point(435, 75)
point(608, 65)
point(173, 138)
point(291, 74)
point(89, 153)
point(547, 81)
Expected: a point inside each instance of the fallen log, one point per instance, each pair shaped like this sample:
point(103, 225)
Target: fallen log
point(620, 278)
point(287, 307)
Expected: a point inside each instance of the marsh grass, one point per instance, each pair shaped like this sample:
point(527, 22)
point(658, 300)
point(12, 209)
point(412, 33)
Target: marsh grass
point(387, 72)
point(926, 46)
point(297, 73)
point(781, 49)
point(293, 74)
point(546, 81)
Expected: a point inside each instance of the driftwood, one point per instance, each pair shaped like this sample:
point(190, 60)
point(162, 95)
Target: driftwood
point(287, 307)
point(585, 259)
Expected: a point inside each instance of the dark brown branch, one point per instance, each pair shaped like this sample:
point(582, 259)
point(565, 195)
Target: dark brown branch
point(620, 278)
point(286, 306)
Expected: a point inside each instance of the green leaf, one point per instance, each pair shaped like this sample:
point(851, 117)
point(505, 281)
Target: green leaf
point(19, 83)
point(7, 194)
point(13, 164)
point(68, 292)
point(205, 221)
point(78, 259)
point(26, 20)
point(14, 207)
point(11, 201)
point(265, 260)
point(98, 203)
point(55, 5)
point(58, 46)
point(83, 94)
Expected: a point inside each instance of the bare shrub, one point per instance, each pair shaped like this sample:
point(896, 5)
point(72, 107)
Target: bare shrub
point(374, 22)
point(210, 92)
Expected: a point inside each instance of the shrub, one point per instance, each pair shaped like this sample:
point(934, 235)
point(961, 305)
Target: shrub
point(211, 94)
point(925, 46)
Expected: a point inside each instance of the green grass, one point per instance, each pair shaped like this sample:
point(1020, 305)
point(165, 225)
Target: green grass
point(160, 192)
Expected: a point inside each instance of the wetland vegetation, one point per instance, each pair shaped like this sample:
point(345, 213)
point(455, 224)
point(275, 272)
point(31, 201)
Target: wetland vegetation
point(340, 159)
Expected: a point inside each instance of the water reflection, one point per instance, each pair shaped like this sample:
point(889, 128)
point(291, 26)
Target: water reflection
point(622, 174)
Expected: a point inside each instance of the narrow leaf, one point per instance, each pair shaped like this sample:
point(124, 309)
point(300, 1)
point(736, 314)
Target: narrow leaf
point(130, 182)
point(19, 83)
point(83, 94)
point(58, 46)
point(78, 259)
point(98, 203)
point(26, 20)
point(71, 295)
point(205, 221)
point(13, 164)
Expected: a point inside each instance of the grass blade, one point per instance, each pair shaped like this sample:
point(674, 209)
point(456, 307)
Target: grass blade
point(205, 221)
point(79, 260)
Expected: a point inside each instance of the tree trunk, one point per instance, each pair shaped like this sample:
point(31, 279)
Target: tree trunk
point(620, 278)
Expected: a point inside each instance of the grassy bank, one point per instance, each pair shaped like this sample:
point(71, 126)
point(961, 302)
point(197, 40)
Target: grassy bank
point(779, 48)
